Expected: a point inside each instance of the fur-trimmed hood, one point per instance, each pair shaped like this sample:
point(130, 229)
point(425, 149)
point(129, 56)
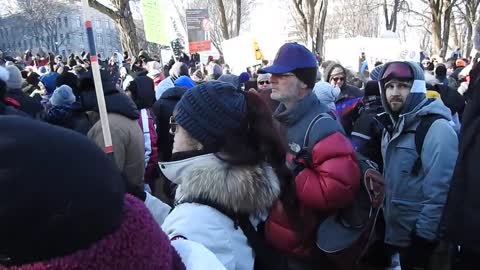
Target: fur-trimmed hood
point(240, 189)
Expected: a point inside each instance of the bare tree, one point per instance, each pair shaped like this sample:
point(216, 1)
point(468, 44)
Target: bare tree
point(357, 18)
point(311, 17)
point(391, 17)
point(436, 20)
point(121, 14)
point(441, 18)
point(41, 26)
point(227, 17)
point(468, 10)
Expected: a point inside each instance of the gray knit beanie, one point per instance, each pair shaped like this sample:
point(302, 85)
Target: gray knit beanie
point(15, 79)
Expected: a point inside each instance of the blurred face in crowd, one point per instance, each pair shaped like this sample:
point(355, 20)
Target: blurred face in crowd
point(337, 80)
point(264, 84)
point(182, 141)
point(396, 93)
point(287, 89)
point(425, 63)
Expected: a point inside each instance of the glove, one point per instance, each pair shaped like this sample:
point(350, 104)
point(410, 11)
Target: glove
point(301, 158)
point(298, 167)
point(418, 254)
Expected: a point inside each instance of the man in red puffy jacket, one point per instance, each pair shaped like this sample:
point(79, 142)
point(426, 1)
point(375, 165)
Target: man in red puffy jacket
point(326, 172)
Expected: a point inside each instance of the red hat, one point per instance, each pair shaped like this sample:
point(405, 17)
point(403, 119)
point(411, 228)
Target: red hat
point(460, 63)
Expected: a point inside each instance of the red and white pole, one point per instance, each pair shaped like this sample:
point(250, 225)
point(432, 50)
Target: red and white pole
point(102, 109)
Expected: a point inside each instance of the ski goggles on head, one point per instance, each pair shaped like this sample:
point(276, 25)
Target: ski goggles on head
point(397, 70)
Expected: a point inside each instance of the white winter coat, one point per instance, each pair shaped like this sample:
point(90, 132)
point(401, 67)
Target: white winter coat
point(251, 190)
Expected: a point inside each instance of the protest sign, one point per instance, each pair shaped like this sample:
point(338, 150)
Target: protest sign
point(198, 30)
point(240, 53)
point(348, 50)
point(155, 20)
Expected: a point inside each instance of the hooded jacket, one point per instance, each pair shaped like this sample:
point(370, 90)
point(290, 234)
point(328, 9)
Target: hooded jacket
point(346, 90)
point(249, 190)
point(414, 203)
point(367, 131)
point(327, 183)
point(127, 137)
point(348, 101)
point(144, 96)
point(162, 110)
point(177, 70)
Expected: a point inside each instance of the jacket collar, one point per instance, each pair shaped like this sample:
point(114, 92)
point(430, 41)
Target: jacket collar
point(292, 116)
point(240, 189)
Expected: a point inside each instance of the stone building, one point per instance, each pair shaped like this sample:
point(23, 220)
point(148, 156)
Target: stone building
point(61, 33)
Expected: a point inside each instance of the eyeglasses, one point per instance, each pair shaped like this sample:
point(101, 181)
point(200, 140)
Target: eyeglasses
point(173, 125)
point(338, 79)
point(263, 82)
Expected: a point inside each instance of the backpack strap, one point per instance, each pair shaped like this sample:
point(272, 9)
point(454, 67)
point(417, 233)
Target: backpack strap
point(306, 139)
point(306, 153)
point(420, 134)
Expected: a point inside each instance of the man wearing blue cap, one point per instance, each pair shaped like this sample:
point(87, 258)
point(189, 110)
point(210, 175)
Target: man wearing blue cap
point(417, 171)
point(320, 156)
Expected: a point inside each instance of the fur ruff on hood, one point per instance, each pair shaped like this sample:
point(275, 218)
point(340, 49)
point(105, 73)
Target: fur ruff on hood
point(241, 189)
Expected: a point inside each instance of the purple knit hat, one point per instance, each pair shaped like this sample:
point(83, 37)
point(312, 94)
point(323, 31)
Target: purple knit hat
point(139, 243)
point(71, 215)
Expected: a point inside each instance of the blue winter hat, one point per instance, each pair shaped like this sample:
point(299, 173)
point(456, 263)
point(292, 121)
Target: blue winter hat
point(62, 96)
point(244, 77)
point(211, 111)
point(49, 80)
point(184, 81)
point(291, 56)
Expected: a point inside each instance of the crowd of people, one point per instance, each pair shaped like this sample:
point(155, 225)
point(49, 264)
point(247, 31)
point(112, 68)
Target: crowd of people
point(293, 164)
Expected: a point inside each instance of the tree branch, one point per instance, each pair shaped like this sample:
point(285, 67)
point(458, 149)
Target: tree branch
point(298, 7)
point(114, 14)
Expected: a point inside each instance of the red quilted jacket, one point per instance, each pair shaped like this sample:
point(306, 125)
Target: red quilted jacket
point(330, 185)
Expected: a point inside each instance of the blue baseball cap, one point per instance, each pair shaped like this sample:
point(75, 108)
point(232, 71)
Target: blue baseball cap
point(291, 56)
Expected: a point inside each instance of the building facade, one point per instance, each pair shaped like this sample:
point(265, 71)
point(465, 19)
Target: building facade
point(63, 33)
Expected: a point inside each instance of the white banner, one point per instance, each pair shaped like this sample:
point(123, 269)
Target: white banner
point(347, 51)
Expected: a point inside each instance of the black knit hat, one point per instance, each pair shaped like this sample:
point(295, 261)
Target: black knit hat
point(56, 196)
point(372, 89)
point(307, 76)
point(69, 79)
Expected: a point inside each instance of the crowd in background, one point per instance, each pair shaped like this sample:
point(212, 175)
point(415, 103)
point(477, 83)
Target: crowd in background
point(296, 163)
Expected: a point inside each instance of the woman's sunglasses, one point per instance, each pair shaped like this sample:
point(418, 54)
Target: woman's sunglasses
point(338, 79)
point(263, 82)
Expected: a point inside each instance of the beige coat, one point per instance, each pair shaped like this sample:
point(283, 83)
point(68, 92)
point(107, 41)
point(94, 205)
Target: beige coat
point(128, 146)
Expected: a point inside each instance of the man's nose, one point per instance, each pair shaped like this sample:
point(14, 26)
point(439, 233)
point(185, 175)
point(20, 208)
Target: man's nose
point(396, 90)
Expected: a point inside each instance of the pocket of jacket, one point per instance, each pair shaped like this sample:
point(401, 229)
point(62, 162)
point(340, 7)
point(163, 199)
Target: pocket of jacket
point(407, 154)
point(405, 213)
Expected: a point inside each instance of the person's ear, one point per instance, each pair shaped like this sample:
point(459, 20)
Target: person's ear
point(303, 85)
